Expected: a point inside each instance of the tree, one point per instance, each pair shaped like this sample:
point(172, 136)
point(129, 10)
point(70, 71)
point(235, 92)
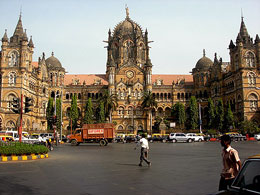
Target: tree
point(249, 127)
point(229, 118)
point(193, 113)
point(101, 113)
point(74, 114)
point(148, 102)
point(178, 111)
point(110, 104)
point(88, 117)
point(58, 114)
point(211, 114)
point(49, 113)
point(219, 115)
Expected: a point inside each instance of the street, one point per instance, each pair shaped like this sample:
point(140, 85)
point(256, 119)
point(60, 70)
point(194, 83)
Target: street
point(177, 168)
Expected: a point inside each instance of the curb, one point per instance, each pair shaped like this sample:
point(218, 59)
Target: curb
point(23, 157)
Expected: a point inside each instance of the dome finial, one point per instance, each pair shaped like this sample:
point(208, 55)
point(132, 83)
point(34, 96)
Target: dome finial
point(204, 53)
point(127, 11)
point(52, 53)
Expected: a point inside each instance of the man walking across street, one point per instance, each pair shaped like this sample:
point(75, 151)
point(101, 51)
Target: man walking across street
point(144, 150)
point(231, 163)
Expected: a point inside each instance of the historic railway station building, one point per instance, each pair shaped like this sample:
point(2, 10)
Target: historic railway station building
point(128, 74)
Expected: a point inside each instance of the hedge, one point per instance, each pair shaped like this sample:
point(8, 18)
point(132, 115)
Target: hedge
point(17, 148)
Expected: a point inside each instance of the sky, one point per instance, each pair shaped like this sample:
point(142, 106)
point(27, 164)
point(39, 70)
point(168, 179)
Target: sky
point(75, 29)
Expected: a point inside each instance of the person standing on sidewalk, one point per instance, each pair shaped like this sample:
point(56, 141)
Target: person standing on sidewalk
point(231, 163)
point(144, 150)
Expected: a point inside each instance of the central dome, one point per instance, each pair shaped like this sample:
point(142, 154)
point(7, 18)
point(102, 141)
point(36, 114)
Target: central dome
point(204, 62)
point(127, 27)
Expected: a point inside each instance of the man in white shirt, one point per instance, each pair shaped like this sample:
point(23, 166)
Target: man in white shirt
point(144, 150)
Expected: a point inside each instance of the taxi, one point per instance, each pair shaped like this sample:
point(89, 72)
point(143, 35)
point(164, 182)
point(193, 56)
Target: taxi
point(6, 138)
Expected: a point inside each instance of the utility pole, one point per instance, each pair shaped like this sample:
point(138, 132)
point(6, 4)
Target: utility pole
point(21, 120)
point(200, 116)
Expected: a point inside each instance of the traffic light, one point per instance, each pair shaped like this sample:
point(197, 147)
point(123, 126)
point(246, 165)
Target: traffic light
point(28, 104)
point(16, 105)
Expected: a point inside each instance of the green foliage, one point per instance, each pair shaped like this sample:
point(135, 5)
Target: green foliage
point(101, 114)
point(148, 101)
point(110, 104)
point(193, 113)
point(178, 111)
point(49, 113)
point(58, 113)
point(74, 114)
point(229, 118)
point(89, 117)
point(248, 127)
point(17, 148)
point(211, 114)
point(219, 115)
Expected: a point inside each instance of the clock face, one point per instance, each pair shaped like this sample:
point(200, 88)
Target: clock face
point(130, 74)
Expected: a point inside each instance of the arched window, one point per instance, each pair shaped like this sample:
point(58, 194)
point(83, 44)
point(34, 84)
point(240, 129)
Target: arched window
point(130, 110)
point(253, 102)
point(120, 128)
point(250, 59)
point(10, 99)
point(13, 59)
point(121, 110)
point(251, 78)
point(68, 112)
point(12, 78)
point(10, 126)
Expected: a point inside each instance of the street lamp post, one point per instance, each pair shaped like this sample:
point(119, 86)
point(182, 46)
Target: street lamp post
point(200, 121)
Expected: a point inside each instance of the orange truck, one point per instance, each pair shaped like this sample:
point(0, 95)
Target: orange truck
point(97, 133)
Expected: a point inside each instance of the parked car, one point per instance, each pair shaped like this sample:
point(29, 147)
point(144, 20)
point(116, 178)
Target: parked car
point(236, 136)
point(247, 180)
point(180, 137)
point(195, 137)
point(6, 138)
point(257, 137)
point(47, 135)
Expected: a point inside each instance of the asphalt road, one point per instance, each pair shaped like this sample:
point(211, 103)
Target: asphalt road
point(177, 168)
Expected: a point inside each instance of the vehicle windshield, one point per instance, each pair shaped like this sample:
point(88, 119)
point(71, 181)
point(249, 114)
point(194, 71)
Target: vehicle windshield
point(249, 177)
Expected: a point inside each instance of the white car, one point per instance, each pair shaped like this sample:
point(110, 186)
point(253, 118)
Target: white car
point(257, 137)
point(180, 137)
point(195, 137)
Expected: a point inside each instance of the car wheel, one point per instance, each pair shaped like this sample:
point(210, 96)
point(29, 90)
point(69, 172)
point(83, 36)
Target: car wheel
point(164, 141)
point(189, 140)
point(200, 140)
point(174, 140)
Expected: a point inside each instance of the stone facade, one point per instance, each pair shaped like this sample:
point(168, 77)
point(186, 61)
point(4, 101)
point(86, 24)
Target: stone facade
point(128, 75)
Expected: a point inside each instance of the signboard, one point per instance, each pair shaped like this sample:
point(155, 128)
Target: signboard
point(95, 131)
point(172, 124)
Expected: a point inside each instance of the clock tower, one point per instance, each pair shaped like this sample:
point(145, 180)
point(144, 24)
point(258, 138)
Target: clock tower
point(129, 67)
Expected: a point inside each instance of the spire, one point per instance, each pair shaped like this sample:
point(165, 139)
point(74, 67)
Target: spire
point(204, 53)
point(257, 39)
point(216, 59)
point(25, 38)
point(19, 27)
point(244, 37)
point(31, 42)
point(231, 45)
point(5, 38)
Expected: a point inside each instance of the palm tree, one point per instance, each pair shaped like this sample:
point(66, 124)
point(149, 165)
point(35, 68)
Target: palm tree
point(110, 103)
point(149, 102)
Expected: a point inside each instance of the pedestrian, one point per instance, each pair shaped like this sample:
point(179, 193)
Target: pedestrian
point(231, 163)
point(144, 150)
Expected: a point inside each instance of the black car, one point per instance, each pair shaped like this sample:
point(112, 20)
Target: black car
point(248, 179)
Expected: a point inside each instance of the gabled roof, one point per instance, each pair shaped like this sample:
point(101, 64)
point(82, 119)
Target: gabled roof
point(169, 78)
point(90, 79)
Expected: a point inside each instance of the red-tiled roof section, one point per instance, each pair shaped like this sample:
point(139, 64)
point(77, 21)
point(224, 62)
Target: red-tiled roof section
point(167, 79)
point(35, 64)
point(90, 79)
